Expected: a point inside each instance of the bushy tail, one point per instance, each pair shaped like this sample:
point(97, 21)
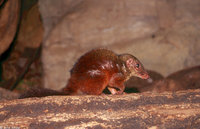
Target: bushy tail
point(42, 92)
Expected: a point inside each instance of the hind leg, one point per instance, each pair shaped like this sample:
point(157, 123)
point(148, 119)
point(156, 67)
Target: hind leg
point(94, 85)
point(86, 84)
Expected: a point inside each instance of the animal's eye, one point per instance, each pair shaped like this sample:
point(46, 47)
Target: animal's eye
point(137, 65)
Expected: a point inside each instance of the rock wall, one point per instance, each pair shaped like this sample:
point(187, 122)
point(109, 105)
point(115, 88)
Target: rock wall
point(9, 18)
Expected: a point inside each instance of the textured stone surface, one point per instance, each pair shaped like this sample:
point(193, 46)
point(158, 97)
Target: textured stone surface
point(9, 16)
point(31, 29)
point(164, 35)
point(29, 38)
point(6, 94)
point(146, 110)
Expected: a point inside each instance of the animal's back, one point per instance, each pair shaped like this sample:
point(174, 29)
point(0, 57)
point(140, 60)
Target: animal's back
point(93, 60)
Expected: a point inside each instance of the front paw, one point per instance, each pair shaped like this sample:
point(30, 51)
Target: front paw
point(120, 92)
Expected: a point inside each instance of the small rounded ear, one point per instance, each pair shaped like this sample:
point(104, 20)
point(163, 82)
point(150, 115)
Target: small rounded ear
point(129, 62)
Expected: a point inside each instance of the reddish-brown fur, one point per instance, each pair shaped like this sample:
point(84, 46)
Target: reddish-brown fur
point(98, 69)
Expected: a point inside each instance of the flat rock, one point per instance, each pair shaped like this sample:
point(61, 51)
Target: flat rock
point(146, 110)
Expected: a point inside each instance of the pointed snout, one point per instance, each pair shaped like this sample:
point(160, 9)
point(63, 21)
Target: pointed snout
point(144, 75)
